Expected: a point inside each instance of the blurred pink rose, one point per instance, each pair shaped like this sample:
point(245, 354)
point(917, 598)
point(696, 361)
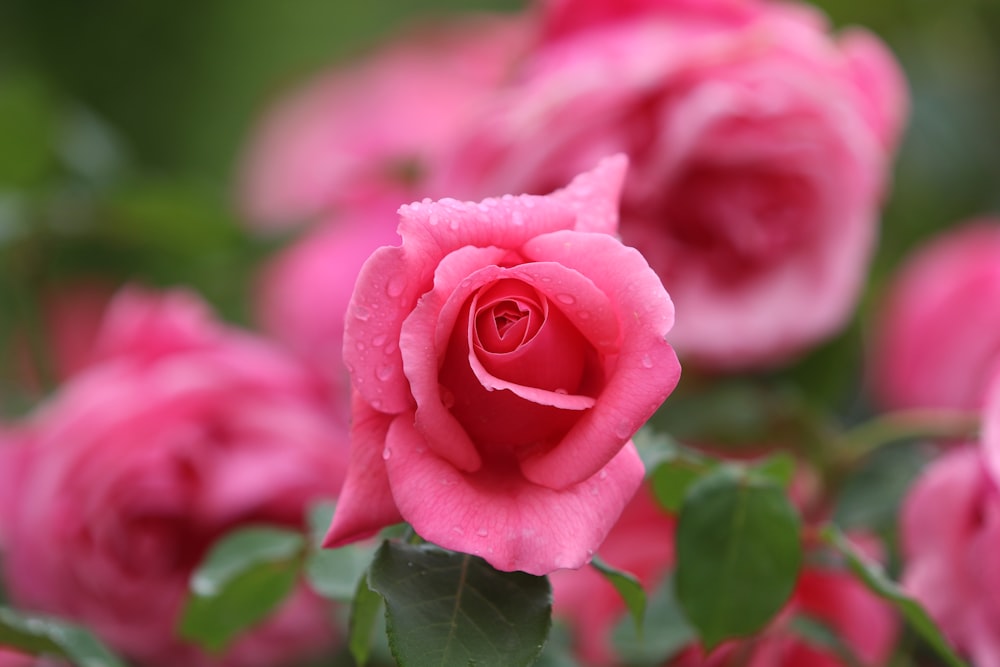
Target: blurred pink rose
point(321, 268)
point(8, 658)
point(374, 129)
point(761, 148)
point(950, 531)
point(643, 543)
point(937, 340)
point(181, 431)
point(502, 358)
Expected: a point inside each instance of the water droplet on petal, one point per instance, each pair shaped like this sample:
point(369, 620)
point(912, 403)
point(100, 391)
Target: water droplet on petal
point(361, 313)
point(377, 404)
point(623, 430)
point(482, 532)
point(396, 285)
point(453, 224)
point(517, 218)
point(385, 372)
point(433, 219)
point(560, 390)
point(457, 530)
point(379, 340)
point(567, 299)
point(390, 347)
point(647, 362)
point(361, 346)
point(386, 454)
point(584, 314)
point(603, 474)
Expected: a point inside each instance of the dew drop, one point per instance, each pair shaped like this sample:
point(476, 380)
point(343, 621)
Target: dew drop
point(584, 314)
point(361, 346)
point(379, 340)
point(482, 532)
point(447, 397)
point(546, 279)
point(377, 404)
point(453, 224)
point(433, 219)
point(484, 207)
point(623, 430)
point(560, 390)
point(517, 218)
point(603, 474)
point(390, 347)
point(361, 313)
point(396, 286)
point(647, 362)
point(385, 372)
point(386, 454)
point(567, 299)
point(529, 202)
point(457, 530)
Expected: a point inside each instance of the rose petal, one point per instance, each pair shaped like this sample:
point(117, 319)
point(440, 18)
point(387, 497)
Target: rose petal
point(594, 195)
point(647, 368)
point(513, 524)
point(366, 504)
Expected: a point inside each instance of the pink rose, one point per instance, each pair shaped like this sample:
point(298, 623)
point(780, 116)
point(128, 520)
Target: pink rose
point(937, 339)
point(376, 128)
point(760, 148)
point(502, 358)
point(643, 543)
point(321, 268)
point(182, 431)
point(950, 531)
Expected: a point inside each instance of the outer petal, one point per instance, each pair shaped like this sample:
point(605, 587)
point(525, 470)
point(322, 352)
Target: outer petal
point(647, 369)
point(366, 503)
point(496, 514)
point(594, 195)
point(991, 431)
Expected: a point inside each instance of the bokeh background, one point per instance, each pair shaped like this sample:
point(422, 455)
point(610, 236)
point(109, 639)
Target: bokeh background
point(121, 125)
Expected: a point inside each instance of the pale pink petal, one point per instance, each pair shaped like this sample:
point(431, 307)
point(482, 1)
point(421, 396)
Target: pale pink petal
point(366, 504)
point(510, 522)
point(647, 369)
point(881, 82)
point(990, 440)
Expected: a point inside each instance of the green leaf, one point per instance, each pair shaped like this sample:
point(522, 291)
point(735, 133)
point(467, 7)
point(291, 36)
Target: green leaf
point(875, 578)
point(364, 615)
point(627, 586)
point(245, 576)
point(818, 633)
point(664, 634)
point(738, 554)
point(778, 467)
point(333, 573)
point(43, 636)
point(445, 608)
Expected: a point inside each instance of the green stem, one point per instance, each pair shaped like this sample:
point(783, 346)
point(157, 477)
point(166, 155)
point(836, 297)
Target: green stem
point(933, 423)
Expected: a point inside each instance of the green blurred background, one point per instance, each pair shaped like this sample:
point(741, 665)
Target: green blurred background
point(121, 123)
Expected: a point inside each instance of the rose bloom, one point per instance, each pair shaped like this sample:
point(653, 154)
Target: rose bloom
point(502, 358)
point(760, 149)
point(180, 432)
point(321, 267)
point(950, 530)
point(374, 129)
point(937, 337)
point(642, 543)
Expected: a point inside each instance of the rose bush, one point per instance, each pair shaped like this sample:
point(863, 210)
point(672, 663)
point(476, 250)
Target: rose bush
point(642, 542)
point(937, 337)
point(375, 129)
point(180, 431)
point(502, 358)
point(760, 148)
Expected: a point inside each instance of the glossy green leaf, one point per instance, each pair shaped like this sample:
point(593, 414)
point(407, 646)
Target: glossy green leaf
point(333, 573)
point(665, 631)
point(445, 608)
point(875, 578)
point(364, 617)
point(43, 636)
point(243, 579)
point(779, 468)
point(738, 554)
point(627, 586)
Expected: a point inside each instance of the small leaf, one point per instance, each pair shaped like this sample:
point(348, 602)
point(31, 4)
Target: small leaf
point(43, 636)
point(364, 615)
point(245, 576)
point(627, 586)
point(738, 554)
point(445, 608)
point(334, 573)
point(875, 578)
point(816, 632)
point(778, 467)
point(664, 634)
